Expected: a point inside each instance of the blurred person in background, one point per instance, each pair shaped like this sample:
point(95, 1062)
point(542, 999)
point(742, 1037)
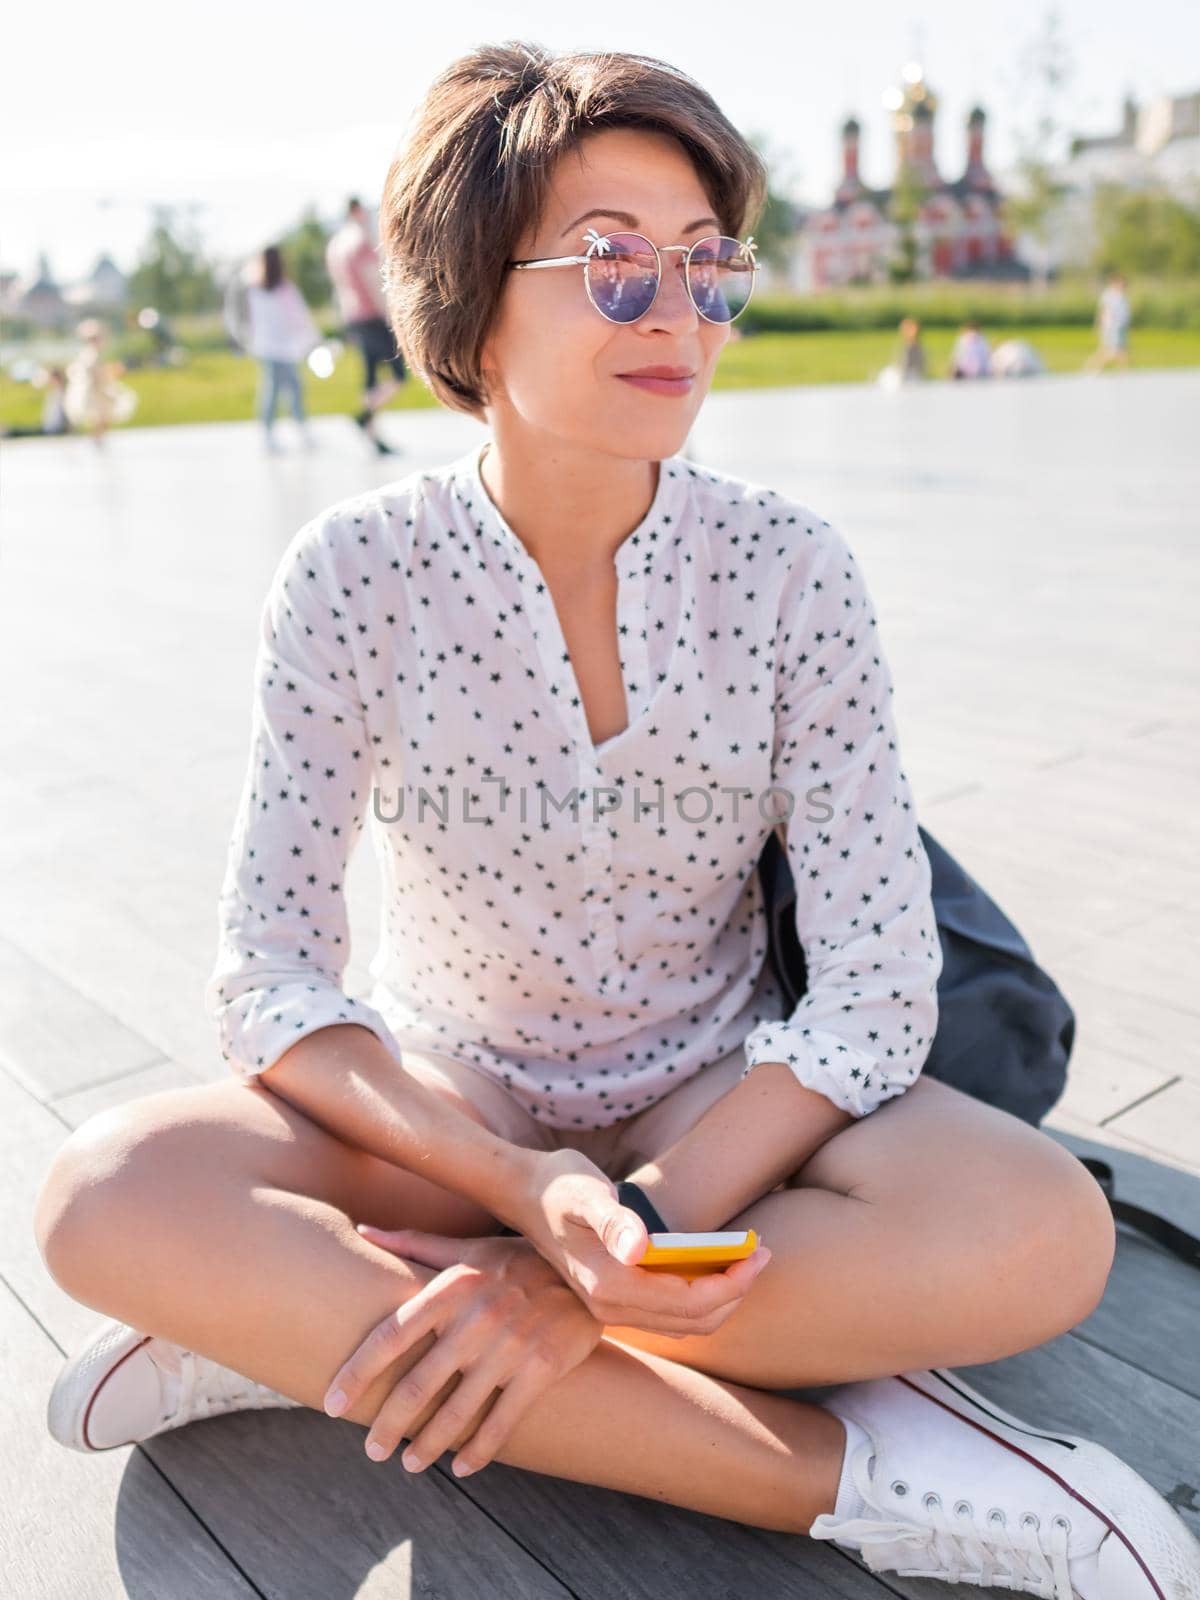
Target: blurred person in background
point(54, 413)
point(910, 358)
point(971, 355)
point(1113, 317)
point(908, 363)
point(267, 315)
point(1016, 358)
point(352, 261)
point(94, 399)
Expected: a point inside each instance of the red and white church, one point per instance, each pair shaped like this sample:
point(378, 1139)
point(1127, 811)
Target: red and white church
point(958, 230)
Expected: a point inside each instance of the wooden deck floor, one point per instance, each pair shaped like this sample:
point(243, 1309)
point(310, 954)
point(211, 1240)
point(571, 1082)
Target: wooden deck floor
point(1032, 552)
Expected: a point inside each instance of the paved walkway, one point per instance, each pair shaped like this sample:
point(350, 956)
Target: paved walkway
point(1031, 550)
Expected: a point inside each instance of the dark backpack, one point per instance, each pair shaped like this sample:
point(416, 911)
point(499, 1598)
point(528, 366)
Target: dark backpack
point(1004, 1031)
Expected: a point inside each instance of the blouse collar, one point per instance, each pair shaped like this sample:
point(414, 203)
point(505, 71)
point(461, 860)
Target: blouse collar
point(634, 556)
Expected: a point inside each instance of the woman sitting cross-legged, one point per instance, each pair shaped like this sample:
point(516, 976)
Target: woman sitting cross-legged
point(575, 679)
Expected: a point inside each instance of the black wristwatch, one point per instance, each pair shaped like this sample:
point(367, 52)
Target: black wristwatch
point(636, 1198)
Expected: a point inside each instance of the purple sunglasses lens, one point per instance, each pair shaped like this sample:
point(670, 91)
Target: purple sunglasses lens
point(721, 278)
point(622, 277)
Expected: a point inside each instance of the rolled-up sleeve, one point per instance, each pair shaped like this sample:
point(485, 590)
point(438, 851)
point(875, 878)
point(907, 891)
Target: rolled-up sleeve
point(864, 910)
point(284, 938)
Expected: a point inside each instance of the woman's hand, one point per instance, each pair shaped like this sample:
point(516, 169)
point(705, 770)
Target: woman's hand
point(572, 1216)
point(503, 1318)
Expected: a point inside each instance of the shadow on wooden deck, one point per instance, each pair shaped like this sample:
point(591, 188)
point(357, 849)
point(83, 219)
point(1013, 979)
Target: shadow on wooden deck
point(284, 1503)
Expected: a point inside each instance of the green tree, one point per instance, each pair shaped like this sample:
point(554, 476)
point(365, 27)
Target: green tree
point(173, 274)
point(904, 209)
point(1145, 231)
point(775, 231)
point(303, 249)
point(1043, 70)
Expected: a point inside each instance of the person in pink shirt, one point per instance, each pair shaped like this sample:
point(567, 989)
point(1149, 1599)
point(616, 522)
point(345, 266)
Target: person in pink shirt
point(353, 266)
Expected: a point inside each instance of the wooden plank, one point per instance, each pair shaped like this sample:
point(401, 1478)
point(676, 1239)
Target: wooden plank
point(306, 1515)
point(1140, 1178)
point(106, 1525)
point(605, 1545)
point(1150, 1313)
point(1151, 1306)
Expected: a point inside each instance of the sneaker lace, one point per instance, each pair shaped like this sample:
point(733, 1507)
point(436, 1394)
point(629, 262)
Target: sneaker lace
point(207, 1388)
point(962, 1549)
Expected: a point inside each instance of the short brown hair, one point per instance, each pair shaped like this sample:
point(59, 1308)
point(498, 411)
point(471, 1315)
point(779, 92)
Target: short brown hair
point(474, 172)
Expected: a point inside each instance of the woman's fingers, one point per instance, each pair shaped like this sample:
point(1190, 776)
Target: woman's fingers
point(672, 1304)
point(386, 1340)
point(514, 1400)
point(431, 1249)
point(414, 1393)
point(447, 1425)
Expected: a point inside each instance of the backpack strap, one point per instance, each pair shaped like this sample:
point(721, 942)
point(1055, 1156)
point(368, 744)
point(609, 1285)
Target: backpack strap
point(1176, 1239)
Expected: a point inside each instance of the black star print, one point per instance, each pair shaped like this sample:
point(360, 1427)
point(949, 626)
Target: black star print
point(408, 640)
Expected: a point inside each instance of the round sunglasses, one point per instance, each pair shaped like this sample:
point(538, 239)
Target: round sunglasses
point(622, 273)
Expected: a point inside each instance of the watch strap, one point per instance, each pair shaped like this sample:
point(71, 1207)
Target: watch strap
point(636, 1199)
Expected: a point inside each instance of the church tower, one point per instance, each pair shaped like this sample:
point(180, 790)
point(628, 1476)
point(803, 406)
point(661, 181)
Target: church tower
point(976, 176)
point(913, 109)
point(850, 185)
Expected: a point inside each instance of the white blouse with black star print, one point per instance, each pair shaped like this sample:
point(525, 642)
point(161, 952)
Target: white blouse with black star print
point(583, 922)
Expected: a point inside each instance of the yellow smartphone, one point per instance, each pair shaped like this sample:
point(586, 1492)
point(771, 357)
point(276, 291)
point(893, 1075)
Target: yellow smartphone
point(692, 1254)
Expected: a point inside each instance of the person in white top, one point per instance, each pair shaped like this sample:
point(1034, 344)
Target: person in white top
point(266, 314)
point(628, 954)
point(971, 355)
point(572, 680)
point(1113, 317)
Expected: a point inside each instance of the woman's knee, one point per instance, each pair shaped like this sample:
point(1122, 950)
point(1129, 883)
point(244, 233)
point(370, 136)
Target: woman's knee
point(98, 1172)
point(981, 1180)
point(130, 1164)
point(1050, 1220)
point(1079, 1235)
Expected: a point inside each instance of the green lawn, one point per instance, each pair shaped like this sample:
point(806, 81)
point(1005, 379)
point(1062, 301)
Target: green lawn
point(218, 386)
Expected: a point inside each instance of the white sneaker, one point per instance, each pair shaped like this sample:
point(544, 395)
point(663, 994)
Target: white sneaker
point(950, 1486)
point(122, 1386)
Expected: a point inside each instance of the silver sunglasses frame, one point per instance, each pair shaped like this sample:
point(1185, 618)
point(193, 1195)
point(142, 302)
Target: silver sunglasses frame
point(598, 243)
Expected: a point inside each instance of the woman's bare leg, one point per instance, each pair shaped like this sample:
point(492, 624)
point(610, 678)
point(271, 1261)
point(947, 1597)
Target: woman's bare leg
point(222, 1219)
point(936, 1232)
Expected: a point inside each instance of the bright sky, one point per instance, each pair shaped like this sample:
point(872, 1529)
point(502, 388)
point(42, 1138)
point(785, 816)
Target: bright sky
point(248, 112)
